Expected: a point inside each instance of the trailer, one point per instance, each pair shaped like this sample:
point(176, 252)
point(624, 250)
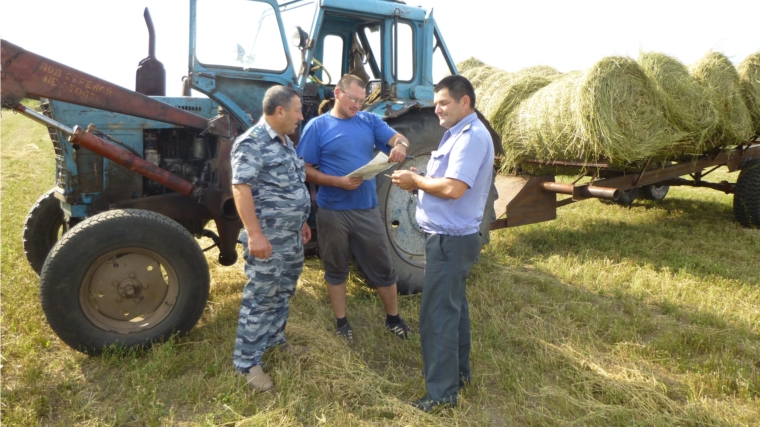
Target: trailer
point(528, 200)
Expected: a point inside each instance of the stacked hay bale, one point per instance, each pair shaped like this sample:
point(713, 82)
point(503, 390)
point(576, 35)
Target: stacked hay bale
point(499, 92)
point(717, 74)
point(749, 77)
point(687, 104)
point(620, 111)
point(469, 63)
point(612, 111)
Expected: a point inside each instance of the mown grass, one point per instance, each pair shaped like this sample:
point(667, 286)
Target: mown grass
point(647, 315)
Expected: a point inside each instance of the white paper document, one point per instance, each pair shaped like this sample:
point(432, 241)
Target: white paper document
point(374, 167)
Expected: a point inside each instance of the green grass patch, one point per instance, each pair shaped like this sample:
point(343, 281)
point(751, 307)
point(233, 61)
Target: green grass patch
point(609, 315)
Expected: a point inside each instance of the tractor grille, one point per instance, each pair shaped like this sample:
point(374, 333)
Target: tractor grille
point(61, 181)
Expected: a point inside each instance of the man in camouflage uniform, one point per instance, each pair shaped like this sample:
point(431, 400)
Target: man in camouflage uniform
point(273, 203)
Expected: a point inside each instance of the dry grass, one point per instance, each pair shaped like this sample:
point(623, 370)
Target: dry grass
point(647, 315)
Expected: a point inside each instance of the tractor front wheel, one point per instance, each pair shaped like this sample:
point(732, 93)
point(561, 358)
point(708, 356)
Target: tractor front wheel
point(124, 277)
point(43, 227)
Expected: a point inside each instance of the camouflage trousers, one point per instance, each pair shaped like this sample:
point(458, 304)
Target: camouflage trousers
point(266, 297)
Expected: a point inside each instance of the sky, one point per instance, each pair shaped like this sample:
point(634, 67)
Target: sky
point(109, 38)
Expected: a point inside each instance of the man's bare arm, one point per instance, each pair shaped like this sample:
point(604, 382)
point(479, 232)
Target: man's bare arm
point(398, 153)
point(316, 177)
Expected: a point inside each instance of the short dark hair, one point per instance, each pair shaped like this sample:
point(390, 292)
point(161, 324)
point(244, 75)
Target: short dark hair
point(345, 82)
point(278, 96)
point(458, 87)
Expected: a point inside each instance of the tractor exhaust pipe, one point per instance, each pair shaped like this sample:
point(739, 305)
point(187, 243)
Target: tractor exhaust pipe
point(151, 76)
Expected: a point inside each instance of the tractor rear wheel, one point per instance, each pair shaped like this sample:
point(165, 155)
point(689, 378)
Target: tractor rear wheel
point(124, 277)
point(747, 194)
point(43, 227)
point(405, 237)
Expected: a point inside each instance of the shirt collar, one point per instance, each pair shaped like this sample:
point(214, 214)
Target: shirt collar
point(462, 123)
point(268, 127)
point(272, 133)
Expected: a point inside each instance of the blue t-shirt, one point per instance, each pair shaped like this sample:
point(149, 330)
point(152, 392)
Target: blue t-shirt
point(341, 146)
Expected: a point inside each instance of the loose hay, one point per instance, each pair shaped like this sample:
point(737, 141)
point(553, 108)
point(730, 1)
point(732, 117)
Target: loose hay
point(749, 78)
point(687, 104)
point(716, 73)
point(612, 112)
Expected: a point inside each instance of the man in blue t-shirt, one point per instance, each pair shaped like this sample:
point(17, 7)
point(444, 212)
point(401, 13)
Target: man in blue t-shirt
point(348, 219)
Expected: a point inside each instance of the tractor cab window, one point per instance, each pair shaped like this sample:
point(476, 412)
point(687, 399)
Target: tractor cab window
point(330, 69)
point(239, 34)
point(441, 66)
point(374, 52)
point(404, 68)
point(297, 15)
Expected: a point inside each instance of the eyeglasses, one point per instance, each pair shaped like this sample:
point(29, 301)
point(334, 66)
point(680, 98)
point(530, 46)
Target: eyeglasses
point(354, 99)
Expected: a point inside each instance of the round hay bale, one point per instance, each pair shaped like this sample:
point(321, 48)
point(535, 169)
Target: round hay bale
point(469, 63)
point(687, 103)
point(609, 112)
point(540, 71)
point(749, 78)
point(478, 74)
point(718, 75)
point(508, 95)
point(486, 92)
point(498, 92)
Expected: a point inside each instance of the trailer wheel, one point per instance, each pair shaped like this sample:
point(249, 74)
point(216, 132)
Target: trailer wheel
point(627, 196)
point(654, 192)
point(43, 227)
point(124, 277)
point(405, 238)
point(747, 194)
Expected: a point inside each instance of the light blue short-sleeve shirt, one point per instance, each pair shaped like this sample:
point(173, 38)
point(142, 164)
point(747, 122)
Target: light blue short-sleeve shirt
point(466, 154)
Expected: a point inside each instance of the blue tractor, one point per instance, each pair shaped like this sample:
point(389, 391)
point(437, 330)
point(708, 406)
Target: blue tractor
point(114, 241)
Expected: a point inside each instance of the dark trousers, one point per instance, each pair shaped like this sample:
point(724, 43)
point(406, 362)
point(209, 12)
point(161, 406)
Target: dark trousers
point(444, 314)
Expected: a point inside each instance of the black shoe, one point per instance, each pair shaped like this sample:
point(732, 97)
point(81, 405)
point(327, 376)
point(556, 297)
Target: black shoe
point(427, 405)
point(346, 332)
point(400, 329)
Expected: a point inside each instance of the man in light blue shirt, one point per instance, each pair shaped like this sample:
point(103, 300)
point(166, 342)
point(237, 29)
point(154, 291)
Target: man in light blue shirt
point(452, 197)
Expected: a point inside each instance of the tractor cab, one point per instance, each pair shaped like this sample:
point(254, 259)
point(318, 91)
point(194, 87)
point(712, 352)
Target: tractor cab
point(239, 48)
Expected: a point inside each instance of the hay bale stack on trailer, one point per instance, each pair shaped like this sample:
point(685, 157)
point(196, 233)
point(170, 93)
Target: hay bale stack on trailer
point(635, 127)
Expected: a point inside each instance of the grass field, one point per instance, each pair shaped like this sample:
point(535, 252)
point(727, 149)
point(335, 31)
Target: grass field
point(648, 315)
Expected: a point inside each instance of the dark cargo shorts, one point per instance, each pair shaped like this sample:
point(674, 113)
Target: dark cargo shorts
point(360, 232)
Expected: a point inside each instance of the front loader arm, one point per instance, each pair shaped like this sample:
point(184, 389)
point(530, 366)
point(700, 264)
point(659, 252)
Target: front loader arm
point(28, 75)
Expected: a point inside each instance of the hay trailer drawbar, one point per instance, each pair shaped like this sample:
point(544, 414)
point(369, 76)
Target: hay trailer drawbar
point(139, 176)
point(529, 200)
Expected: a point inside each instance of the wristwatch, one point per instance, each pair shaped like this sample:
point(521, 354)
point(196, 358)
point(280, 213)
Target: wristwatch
point(404, 144)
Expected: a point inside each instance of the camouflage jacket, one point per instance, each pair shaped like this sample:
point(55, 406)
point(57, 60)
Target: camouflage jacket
point(276, 175)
